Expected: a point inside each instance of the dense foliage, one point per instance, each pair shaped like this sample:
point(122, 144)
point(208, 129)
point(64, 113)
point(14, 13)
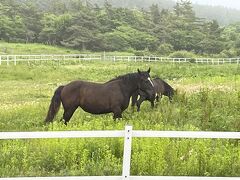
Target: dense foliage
point(84, 26)
point(208, 99)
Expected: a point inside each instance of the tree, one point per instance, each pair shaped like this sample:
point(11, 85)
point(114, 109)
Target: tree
point(165, 49)
point(155, 14)
point(133, 38)
point(11, 24)
point(185, 28)
point(106, 22)
point(83, 31)
point(114, 41)
point(31, 15)
point(54, 28)
point(212, 42)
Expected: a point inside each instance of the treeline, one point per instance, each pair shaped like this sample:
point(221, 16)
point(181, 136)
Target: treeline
point(85, 26)
point(223, 15)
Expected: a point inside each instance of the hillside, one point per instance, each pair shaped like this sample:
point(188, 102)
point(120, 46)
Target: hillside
point(76, 24)
point(35, 48)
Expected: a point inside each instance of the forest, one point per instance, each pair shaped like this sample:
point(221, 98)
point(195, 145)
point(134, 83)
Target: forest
point(84, 25)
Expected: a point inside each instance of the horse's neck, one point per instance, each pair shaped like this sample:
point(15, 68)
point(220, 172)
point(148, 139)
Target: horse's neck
point(130, 87)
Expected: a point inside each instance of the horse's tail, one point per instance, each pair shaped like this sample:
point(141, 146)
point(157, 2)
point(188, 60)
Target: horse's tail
point(54, 105)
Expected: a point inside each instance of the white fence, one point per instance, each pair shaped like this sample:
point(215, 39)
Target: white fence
point(62, 59)
point(128, 134)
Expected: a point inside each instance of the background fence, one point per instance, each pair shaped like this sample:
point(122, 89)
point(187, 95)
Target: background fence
point(62, 59)
point(127, 134)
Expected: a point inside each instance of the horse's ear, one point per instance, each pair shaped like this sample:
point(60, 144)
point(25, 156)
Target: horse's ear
point(149, 70)
point(139, 72)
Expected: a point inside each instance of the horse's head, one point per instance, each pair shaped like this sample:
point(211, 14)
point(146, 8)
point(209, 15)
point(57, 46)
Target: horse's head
point(145, 84)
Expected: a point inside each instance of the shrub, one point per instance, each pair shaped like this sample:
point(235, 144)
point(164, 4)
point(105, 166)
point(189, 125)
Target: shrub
point(182, 54)
point(165, 49)
point(228, 53)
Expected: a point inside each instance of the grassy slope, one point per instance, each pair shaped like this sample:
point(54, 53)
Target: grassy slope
point(21, 48)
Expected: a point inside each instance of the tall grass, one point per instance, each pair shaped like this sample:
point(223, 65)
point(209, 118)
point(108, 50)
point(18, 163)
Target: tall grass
point(22, 48)
point(207, 99)
point(36, 48)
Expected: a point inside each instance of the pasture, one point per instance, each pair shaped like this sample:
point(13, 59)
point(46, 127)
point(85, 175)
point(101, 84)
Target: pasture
point(208, 99)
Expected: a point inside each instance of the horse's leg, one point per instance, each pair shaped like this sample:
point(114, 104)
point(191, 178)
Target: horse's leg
point(117, 113)
point(157, 97)
point(68, 114)
point(139, 102)
point(134, 99)
point(152, 103)
point(170, 96)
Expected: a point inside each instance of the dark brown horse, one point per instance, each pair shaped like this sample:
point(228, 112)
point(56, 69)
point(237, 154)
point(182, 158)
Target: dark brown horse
point(112, 96)
point(160, 87)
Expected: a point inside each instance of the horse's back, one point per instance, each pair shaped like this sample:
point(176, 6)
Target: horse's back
point(158, 85)
point(162, 86)
point(96, 98)
point(84, 85)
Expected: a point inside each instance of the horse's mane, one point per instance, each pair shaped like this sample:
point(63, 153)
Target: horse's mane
point(126, 77)
point(156, 77)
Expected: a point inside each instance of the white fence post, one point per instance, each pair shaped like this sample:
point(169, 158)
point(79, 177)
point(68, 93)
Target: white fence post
point(127, 152)
point(7, 59)
point(15, 60)
point(28, 59)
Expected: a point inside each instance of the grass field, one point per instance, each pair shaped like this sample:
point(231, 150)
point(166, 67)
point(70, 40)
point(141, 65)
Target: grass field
point(208, 99)
point(36, 48)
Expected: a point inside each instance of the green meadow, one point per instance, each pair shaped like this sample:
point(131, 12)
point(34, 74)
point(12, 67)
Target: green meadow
point(38, 48)
point(207, 99)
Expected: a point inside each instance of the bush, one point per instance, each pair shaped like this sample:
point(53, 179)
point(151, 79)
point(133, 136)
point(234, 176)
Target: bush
point(165, 49)
point(182, 54)
point(144, 52)
point(228, 53)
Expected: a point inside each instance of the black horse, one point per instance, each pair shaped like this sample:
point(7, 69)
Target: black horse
point(112, 96)
point(160, 87)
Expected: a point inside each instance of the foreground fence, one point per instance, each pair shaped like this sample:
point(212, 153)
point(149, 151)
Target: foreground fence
point(63, 59)
point(127, 134)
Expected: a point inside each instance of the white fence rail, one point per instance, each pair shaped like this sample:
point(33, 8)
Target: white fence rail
point(128, 134)
point(62, 59)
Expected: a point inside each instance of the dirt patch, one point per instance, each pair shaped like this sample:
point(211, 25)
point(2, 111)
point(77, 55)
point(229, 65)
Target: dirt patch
point(193, 88)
